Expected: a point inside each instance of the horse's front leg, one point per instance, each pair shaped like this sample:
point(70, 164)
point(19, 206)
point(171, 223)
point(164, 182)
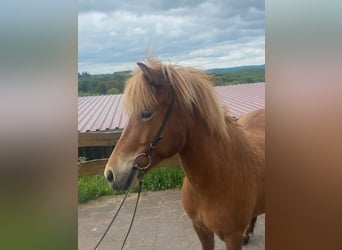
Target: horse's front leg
point(234, 241)
point(205, 235)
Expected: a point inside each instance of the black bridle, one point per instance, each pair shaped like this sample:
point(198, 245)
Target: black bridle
point(141, 169)
point(155, 140)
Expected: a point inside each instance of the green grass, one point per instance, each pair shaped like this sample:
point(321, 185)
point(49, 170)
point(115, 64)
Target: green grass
point(92, 187)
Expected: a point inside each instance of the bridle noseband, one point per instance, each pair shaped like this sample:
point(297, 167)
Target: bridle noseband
point(156, 139)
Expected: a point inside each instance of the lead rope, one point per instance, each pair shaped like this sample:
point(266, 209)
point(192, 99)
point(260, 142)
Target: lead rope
point(117, 212)
point(147, 154)
point(134, 212)
point(110, 224)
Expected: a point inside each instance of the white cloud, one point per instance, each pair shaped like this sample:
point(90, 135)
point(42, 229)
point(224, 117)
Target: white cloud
point(207, 33)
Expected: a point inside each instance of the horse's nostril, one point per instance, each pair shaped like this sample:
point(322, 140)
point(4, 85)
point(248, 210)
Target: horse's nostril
point(110, 176)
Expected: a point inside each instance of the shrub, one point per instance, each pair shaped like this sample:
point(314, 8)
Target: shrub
point(92, 187)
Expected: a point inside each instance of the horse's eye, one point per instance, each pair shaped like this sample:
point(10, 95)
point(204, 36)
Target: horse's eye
point(146, 115)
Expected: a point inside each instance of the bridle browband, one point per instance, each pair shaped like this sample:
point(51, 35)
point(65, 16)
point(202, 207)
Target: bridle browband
point(141, 169)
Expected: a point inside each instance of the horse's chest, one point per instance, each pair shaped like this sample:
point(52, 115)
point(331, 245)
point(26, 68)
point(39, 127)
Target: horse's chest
point(214, 217)
point(218, 218)
point(214, 214)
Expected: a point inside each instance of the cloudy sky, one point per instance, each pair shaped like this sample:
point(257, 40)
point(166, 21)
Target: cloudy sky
point(113, 34)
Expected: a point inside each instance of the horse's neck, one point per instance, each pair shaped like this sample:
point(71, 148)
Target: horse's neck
point(208, 160)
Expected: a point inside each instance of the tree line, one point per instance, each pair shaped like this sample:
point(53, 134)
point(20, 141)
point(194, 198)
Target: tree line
point(102, 84)
point(106, 84)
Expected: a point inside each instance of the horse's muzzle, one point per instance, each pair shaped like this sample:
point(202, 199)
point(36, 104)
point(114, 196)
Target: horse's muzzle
point(123, 181)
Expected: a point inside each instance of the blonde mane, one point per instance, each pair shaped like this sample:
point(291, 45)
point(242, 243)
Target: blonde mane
point(194, 93)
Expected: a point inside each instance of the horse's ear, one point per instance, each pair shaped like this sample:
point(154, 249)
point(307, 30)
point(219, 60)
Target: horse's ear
point(150, 74)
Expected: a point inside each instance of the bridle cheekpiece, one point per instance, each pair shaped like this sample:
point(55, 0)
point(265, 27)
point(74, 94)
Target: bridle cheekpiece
point(153, 144)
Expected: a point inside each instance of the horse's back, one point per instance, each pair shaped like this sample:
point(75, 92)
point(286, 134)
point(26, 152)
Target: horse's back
point(253, 121)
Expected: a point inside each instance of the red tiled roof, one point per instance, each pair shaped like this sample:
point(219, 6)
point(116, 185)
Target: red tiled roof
point(101, 113)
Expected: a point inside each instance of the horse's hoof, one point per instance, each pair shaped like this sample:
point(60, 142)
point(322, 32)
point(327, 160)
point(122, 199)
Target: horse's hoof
point(245, 239)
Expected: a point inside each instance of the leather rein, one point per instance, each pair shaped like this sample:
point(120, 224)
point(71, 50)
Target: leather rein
point(141, 169)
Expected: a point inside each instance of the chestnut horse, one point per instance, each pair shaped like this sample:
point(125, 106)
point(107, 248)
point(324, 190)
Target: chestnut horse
point(223, 159)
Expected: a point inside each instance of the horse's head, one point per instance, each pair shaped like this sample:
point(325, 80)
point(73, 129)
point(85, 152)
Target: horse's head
point(149, 103)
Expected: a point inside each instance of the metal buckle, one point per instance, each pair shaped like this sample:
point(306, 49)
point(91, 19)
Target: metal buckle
point(149, 160)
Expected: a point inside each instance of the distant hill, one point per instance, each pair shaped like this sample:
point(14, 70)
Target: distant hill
point(228, 70)
point(105, 84)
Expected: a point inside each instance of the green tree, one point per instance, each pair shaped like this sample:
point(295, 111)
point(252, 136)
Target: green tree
point(101, 88)
point(113, 91)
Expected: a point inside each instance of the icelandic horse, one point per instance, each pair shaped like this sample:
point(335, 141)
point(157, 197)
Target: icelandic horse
point(223, 159)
